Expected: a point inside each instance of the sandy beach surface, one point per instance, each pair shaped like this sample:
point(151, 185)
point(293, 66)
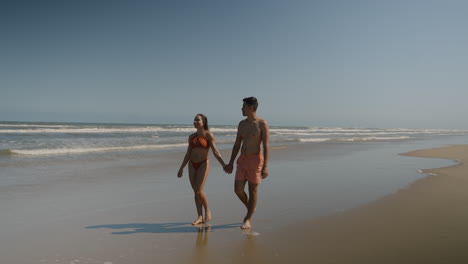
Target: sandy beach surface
point(126, 210)
point(424, 223)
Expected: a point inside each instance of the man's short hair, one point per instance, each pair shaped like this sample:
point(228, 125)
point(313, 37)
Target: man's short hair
point(251, 101)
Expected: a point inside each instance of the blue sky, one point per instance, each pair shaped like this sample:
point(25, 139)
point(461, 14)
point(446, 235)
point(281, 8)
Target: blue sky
point(310, 63)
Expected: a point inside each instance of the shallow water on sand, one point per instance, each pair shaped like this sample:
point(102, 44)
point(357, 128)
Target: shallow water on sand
point(334, 178)
point(132, 207)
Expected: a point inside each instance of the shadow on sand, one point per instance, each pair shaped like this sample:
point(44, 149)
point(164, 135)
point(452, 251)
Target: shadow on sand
point(135, 228)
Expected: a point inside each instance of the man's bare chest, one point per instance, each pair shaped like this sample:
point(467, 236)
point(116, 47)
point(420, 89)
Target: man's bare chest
point(249, 129)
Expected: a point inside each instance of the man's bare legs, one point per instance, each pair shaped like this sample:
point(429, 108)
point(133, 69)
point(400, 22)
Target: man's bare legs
point(197, 180)
point(250, 201)
point(239, 187)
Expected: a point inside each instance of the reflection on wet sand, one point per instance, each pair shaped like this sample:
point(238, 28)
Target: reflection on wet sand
point(248, 249)
point(245, 251)
point(200, 251)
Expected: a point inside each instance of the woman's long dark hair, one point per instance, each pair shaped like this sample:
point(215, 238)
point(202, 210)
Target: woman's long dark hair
point(205, 121)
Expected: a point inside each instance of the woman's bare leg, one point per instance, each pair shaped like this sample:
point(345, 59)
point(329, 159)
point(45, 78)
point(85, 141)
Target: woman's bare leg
point(198, 183)
point(192, 177)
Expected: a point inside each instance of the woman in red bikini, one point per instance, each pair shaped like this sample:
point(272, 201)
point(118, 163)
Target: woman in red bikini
point(199, 144)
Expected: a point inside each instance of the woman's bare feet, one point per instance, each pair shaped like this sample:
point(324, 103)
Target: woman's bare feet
point(199, 220)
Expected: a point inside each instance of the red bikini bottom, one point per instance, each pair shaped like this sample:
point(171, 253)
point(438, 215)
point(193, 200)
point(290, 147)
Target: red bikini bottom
point(197, 165)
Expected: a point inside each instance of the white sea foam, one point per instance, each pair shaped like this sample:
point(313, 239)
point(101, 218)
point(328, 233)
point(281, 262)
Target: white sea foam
point(101, 129)
point(63, 151)
point(351, 139)
point(223, 130)
point(354, 139)
point(335, 132)
point(343, 134)
point(33, 125)
point(314, 139)
point(74, 138)
point(96, 130)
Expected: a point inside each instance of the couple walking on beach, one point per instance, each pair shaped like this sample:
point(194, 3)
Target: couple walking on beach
point(252, 164)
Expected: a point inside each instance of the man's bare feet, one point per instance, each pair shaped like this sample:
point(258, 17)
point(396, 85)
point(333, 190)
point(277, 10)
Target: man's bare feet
point(199, 220)
point(246, 224)
point(207, 216)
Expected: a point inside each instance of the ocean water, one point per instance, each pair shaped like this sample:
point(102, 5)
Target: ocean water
point(69, 176)
point(21, 140)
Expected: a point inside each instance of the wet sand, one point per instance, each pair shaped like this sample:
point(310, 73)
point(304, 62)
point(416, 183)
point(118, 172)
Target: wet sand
point(137, 211)
point(424, 223)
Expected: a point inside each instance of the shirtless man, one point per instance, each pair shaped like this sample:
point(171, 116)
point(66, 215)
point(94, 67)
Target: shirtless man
point(252, 164)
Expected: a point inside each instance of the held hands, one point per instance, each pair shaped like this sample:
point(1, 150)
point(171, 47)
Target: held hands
point(228, 168)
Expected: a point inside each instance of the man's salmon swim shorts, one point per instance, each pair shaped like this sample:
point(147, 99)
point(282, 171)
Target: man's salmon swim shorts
point(249, 168)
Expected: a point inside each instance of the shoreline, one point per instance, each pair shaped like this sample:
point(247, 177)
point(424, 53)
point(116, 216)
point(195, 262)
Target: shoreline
point(127, 210)
point(423, 223)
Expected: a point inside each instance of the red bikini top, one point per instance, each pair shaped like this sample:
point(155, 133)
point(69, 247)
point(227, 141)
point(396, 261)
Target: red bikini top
point(199, 142)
